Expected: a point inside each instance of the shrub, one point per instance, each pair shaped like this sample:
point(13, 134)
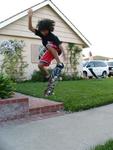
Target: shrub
point(6, 87)
point(13, 60)
point(74, 53)
point(67, 77)
point(37, 76)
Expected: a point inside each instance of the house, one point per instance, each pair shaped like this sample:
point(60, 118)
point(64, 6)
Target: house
point(97, 57)
point(16, 27)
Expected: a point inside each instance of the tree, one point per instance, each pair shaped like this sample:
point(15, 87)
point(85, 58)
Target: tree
point(74, 54)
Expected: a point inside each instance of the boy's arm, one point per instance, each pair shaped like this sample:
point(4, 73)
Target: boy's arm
point(62, 49)
point(30, 27)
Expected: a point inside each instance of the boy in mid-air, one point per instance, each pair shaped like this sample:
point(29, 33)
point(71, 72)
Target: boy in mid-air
point(50, 41)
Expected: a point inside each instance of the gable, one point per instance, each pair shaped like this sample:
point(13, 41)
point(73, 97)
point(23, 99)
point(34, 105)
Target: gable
point(62, 30)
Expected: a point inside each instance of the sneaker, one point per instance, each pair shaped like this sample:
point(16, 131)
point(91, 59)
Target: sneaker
point(57, 70)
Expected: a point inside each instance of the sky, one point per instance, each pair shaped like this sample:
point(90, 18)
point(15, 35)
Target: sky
point(92, 17)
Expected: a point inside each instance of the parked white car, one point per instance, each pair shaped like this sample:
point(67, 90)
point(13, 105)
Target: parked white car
point(100, 68)
point(110, 66)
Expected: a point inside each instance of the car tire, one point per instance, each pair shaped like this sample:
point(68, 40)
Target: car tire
point(85, 74)
point(104, 74)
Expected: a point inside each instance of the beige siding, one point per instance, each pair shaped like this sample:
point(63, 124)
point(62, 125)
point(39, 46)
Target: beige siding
point(68, 69)
point(27, 52)
point(19, 30)
point(20, 27)
point(28, 55)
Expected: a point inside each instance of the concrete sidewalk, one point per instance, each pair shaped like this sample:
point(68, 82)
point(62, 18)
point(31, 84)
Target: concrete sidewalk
point(77, 131)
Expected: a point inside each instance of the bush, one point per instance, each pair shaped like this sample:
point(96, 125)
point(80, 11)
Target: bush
point(67, 77)
point(37, 76)
point(13, 60)
point(6, 87)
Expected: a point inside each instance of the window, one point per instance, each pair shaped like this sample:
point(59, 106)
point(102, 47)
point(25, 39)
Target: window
point(100, 64)
point(110, 63)
point(90, 64)
point(85, 64)
point(103, 64)
point(36, 51)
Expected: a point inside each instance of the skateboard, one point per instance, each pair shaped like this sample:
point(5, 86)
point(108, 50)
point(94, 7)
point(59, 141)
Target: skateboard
point(53, 80)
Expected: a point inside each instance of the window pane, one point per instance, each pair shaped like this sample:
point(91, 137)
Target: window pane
point(100, 64)
point(91, 64)
point(110, 63)
point(103, 64)
point(36, 51)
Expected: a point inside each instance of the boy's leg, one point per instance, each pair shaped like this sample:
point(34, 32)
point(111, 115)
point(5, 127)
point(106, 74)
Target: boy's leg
point(57, 70)
point(54, 53)
point(50, 54)
point(43, 69)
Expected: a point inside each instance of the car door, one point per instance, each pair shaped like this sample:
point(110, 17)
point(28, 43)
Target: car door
point(100, 67)
point(90, 65)
point(97, 68)
point(104, 67)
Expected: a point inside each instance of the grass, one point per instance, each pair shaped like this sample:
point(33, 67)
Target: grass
point(76, 95)
point(107, 146)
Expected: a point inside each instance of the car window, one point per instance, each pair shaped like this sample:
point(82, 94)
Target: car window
point(110, 63)
point(103, 64)
point(85, 64)
point(100, 64)
point(90, 64)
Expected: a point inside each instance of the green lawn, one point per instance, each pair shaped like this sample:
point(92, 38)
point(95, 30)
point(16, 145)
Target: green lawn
point(107, 146)
point(76, 95)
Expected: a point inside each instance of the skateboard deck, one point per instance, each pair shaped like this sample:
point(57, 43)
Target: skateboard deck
point(53, 81)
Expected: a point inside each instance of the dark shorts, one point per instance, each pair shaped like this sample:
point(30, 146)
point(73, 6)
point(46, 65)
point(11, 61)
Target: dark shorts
point(47, 58)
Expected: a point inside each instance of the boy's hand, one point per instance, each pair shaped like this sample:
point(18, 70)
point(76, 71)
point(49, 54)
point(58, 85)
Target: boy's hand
point(30, 27)
point(30, 13)
point(63, 53)
point(64, 56)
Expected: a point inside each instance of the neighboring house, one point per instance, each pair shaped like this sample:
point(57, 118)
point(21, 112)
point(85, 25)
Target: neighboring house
point(16, 27)
point(97, 57)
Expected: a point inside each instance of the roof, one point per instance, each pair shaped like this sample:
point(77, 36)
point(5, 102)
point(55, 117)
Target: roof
point(97, 57)
point(55, 8)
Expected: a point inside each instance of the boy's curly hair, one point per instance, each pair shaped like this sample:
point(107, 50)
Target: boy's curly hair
point(46, 24)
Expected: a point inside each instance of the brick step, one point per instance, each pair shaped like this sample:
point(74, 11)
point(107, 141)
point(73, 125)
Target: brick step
point(41, 106)
point(22, 106)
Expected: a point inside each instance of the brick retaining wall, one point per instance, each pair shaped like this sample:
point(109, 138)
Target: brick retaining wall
point(13, 108)
point(22, 106)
